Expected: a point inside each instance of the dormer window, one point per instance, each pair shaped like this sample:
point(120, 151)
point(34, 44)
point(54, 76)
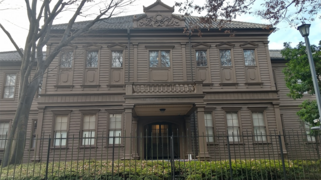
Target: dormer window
point(159, 59)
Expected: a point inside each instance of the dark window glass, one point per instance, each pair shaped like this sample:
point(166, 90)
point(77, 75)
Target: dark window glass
point(249, 57)
point(117, 58)
point(165, 61)
point(226, 57)
point(153, 58)
point(201, 59)
point(92, 59)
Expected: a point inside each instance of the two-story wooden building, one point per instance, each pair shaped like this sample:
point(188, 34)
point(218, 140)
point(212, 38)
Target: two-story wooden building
point(140, 75)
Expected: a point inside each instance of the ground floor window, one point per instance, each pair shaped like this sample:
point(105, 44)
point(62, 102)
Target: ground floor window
point(89, 130)
point(4, 128)
point(233, 127)
point(209, 127)
point(61, 130)
point(310, 138)
point(259, 126)
point(115, 128)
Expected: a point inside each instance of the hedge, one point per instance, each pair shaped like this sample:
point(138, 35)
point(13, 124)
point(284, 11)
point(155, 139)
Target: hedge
point(145, 170)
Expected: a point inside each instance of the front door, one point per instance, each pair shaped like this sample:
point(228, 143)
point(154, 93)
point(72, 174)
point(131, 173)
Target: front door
point(158, 141)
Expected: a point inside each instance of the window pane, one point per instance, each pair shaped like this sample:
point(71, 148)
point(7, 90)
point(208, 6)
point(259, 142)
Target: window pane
point(249, 57)
point(92, 59)
point(201, 59)
point(310, 138)
point(88, 138)
point(9, 92)
point(60, 138)
point(226, 57)
point(153, 58)
point(208, 120)
point(11, 80)
point(209, 134)
point(165, 61)
point(117, 58)
point(61, 123)
point(233, 133)
point(259, 133)
point(89, 122)
point(117, 134)
point(259, 126)
point(66, 59)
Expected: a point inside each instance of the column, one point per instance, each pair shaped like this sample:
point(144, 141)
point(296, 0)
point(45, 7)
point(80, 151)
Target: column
point(135, 139)
point(279, 124)
point(203, 153)
point(128, 131)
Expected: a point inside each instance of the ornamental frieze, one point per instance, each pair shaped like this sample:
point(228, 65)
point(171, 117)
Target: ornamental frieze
point(159, 21)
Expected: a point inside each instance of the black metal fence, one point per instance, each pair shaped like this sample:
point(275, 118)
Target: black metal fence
point(162, 156)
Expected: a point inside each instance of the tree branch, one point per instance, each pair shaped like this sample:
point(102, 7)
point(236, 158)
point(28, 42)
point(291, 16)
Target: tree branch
point(12, 41)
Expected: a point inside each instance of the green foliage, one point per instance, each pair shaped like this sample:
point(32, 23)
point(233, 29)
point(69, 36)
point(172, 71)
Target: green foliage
point(298, 69)
point(157, 170)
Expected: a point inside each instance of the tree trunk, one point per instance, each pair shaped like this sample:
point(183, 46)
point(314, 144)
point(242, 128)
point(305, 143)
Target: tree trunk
point(16, 139)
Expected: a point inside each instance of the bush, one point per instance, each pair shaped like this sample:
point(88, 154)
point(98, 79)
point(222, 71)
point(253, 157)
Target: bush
point(153, 170)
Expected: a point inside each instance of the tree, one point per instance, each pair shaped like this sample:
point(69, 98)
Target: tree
point(275, 11)
point(41, 15)
point(299, 80)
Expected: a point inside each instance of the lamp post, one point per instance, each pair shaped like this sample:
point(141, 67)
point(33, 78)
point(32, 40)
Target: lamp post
point(304, 30)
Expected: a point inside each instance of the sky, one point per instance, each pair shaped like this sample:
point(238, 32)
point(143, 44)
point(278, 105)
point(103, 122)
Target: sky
point(16, 22)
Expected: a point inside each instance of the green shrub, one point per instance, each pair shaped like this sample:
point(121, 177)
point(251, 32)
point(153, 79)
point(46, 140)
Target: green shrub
point(154, 170)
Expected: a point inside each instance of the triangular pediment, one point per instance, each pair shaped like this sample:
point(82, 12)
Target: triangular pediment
point(158, 6)
point(249, 44)
point(201, 46)
point(225, 45)
point(117, 46)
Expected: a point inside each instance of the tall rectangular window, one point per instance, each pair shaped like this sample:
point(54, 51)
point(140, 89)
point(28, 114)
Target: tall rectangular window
point(9, 87)
point(201, 58)
point(209, 127)
point(115, 128)
point(233, 127)
point(4, 128)
point(34, 130)
point(92, 59)
point(61, 124)
point(226, 59)
point(89, 130)
point(66, 59)
point(117, 59)
point(159, 59)
point(249, 57)
point(259, 126)
point(310, 138)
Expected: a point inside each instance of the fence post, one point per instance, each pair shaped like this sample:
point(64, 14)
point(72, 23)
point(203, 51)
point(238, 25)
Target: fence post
point(172, 158)
point(282, 157)
point(47, 161)
point(229, 156)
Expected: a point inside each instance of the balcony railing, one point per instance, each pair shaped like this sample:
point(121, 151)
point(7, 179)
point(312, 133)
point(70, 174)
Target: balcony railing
point(164, 88)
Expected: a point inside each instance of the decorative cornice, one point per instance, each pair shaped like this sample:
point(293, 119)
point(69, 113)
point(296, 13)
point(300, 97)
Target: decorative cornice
point(61, 111)
point(259, 109)
point(201, 44)
point(249, 43)
point(231, 108)
point(92, 46)
point(160, 47)
point(89, 111)
point(115, 46)
point(225, 44)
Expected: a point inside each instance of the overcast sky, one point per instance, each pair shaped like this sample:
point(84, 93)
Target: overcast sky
point(15, 20)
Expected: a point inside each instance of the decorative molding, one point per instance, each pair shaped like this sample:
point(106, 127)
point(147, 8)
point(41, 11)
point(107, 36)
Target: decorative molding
point(259, 109)
point(250, 44)
point(61, 111)
point(121, 46)
point(229, 84)
point(92, 46)
point(89, 111)
point(201, 44)
point(164, 88)
point(64, 86)
point(158, 21)
point(225, 44)
point(160, 47)
point(89, 86)
point(231, 108)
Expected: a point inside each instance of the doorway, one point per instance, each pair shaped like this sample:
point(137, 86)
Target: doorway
point(158, 141)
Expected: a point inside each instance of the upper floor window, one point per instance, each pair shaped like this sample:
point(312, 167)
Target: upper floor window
point(259, 126)
point(115, 128)
point(4, 128)
point(60, 131)
point(249, 57)
point(300, 82)
point(66, 59)
point(159, 59)
point(92, 59)
point(209, 127)
point(9, 86)
point(233, 127)
point(226, 59)
point(117, 59)
point(34, 130)
point(201, 58)
point(89, 130)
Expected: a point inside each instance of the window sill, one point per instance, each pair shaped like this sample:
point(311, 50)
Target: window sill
point(89, 86)
point(59, 148)
point(116, 145)
point(7, 99)
point(64, 86)
point(87, 147)
point(229, 84)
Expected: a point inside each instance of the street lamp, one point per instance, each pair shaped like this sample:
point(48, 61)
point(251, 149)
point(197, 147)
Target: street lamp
point(305, 30)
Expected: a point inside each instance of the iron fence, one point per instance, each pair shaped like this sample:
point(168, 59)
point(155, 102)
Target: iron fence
point(163, 156)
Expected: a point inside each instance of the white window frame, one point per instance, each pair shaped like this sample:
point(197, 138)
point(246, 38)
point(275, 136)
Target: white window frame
point(6, 86)
point(115, 131)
